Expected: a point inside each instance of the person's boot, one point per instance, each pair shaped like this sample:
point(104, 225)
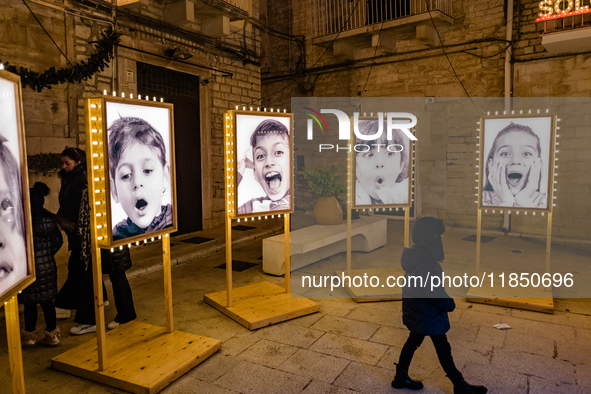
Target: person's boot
point(463, 387)
point(28, 339)
point(52, 339)
point(403, 381)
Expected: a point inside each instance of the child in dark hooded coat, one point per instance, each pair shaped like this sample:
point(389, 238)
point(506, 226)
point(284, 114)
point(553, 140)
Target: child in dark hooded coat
point(424, 311)
point(47, 240)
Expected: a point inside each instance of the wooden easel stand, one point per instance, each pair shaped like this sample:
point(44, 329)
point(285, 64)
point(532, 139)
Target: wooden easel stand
point(287, 246)
point(548, 240)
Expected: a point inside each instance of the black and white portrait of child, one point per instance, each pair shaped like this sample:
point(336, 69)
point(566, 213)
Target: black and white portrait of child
point(139, 169)
point(381, 166)
point(13, 254)
point(516, 162)
point(263, 163)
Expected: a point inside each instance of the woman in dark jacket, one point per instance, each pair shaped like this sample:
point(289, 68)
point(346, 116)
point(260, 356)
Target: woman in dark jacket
point(424, 310)
point(47, 240)
point(73, 177)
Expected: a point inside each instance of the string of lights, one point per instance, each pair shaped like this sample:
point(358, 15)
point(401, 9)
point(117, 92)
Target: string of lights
point(76, 73)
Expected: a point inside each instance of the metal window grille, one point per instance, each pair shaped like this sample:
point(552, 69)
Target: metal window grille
point(332, 16)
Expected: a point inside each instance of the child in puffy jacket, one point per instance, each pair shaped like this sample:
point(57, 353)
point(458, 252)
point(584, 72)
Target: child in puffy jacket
point(424, 311)
point(47, 240)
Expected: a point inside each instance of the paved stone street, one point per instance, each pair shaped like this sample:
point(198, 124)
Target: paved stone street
point(348, 347)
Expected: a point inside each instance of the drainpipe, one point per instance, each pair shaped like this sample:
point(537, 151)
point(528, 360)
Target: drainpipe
point(508, 90)
point(114, 62)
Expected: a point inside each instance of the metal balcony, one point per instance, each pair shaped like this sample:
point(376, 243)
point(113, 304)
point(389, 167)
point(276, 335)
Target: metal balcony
point(334, 16)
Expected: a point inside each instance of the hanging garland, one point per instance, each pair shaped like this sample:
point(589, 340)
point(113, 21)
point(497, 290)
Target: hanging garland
point(81, 71)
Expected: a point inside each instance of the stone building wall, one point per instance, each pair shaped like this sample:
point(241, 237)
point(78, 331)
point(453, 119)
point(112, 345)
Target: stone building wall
point(475, 45)
point(538, 73)
point(55, 118)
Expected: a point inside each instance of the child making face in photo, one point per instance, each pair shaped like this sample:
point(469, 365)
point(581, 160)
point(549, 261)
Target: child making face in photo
point(382, 174)
point(514, 169)
point(271, 167)
point(140, 176)
point(13, 256)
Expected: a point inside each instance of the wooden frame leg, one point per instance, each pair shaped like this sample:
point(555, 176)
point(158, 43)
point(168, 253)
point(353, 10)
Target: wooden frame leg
point(349, 247)
point(478, 234)
point(99, 310)
point(167, 283)
point(407, 227)
point(548, 241)
point(287, 245)
point(229, 258)
point(15, 354)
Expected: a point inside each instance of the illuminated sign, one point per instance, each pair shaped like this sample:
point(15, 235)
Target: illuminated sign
point(550, 9)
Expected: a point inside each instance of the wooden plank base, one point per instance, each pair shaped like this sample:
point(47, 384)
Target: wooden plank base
point(530, 298)
point(369, 293)
point(141, 358)
point(261, 304)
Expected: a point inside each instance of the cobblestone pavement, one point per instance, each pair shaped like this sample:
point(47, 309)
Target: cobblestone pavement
point(347, 347)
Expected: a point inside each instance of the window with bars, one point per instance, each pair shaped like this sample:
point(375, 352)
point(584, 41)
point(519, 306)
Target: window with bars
point(385, 10)
point(167, 82)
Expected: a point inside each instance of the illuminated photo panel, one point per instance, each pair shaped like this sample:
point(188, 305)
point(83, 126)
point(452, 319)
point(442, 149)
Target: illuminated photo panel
point(383, 167)
point(516, 161)
point(16, 254)
point(140, 167)
point(263, 173)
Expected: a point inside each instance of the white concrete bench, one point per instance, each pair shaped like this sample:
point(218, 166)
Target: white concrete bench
point(314, 243)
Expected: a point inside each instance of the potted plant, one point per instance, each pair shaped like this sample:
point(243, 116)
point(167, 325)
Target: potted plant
point(325, 183)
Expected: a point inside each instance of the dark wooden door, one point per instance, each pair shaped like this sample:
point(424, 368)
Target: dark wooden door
point(182, 90)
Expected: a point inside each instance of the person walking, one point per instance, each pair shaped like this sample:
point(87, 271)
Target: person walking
point(47, 240)
point(425, 311)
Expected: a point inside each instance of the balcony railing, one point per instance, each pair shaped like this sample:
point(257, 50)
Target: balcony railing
point(568, 32)
point(567, 23)
point(242, 4)
point(332, 16)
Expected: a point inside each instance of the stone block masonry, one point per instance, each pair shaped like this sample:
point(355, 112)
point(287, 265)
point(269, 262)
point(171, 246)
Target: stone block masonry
point(55, 118)
point(475, 46)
